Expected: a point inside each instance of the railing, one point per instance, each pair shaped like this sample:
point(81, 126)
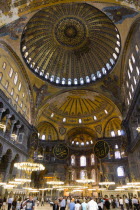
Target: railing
point(13, 142)
point(114, 160)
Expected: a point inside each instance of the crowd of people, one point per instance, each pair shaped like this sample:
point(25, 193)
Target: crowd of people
point(17, 203)
point(70, 203)
point(96, 203)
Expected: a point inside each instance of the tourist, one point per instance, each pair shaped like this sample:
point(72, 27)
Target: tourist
point(18, 206)
point(106, 203)
point(135, 203)
point(62, 203)
point(68, 202)
point(29, 203)
point(78, 205)
point(84, 205)
point(72, 204)
point(121, 202)
point(92, 205)
point(4, 203)
point(100, 203)
point(1, 202)
point(37, 202)
point(55, 205)
point(126, 201)
point(14, 203)
point(9, 201)
point(117, 202)
point(42, 201)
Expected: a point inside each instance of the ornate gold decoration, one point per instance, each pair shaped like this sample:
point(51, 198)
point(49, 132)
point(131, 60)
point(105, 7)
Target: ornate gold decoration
point(80, 107)
point(79, 44)
point(101, 149)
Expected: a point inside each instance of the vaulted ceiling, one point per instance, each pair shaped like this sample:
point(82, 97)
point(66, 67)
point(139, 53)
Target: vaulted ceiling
point(72, 54)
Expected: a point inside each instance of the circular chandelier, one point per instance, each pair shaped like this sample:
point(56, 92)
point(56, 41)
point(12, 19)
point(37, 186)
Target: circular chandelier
point(28, 166)
point(55, 182)
point(22, 180)
point(85, 180)
point(2, 183)
point(79, 44)
point(106, 183)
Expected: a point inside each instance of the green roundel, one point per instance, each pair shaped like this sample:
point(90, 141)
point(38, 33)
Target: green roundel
point(101, 149)
point(61, 151)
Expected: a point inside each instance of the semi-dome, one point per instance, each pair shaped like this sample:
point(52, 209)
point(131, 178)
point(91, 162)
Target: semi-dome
point(79, 107)
point(70, 44)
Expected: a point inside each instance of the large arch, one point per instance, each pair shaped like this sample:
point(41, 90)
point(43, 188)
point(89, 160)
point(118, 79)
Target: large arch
point(130, 63)
point(18, 90)
point(48, 130)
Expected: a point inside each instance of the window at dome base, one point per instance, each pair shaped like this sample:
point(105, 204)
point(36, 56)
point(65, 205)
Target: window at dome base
point(120, 171)
point(83, 161)
point(73, 160)
point(83, 174)
point(62, 58)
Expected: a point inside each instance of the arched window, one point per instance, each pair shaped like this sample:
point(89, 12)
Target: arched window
point(1, 75)
point(19, 87)
point(43, 137)
point(83, 174)
point(120, 171)
point(73, 175)
point(117, 155)
point(83, 161)
point(12, 92)
point(109, 155)
point(4, 66)
point(92, 159)
point(6, 84)
point(112, 133)
point(116, 146)
point(17, 98)
point(73, 160)
point(16, 78)
point(11, 72)
point(93, 175)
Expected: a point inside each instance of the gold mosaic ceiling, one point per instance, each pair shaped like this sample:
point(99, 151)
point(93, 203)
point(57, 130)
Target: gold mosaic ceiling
point(80, 107)
point(70, 44)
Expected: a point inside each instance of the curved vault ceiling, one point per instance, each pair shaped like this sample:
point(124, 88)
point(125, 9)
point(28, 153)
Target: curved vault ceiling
point(45, 128)
point(70, 44)
point(79, 107)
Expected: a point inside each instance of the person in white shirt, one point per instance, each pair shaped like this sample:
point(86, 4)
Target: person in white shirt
point(92, 205)
point(135, 202)
point(10, 201)
point(84, 205)
point(68, 203)
point(62, 204)
point(121, 203)
point(78, 205)
point(126, 203)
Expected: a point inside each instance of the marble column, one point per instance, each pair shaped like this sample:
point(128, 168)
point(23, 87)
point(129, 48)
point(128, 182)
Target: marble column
point(8, 116)
point(1, 111)
point(17, 132)
point(12, 126)
point(6, 177)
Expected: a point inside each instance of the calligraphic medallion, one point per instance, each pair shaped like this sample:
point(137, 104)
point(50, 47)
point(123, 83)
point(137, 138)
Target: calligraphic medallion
point(61, 151)
point(101, 149)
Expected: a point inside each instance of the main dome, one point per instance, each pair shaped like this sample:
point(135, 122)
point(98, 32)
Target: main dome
point(70, 44)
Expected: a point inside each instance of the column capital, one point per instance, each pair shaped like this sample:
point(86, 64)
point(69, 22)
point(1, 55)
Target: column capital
point(18, 126)
point(8, 116)
point(13, 121)
point(2, 110)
